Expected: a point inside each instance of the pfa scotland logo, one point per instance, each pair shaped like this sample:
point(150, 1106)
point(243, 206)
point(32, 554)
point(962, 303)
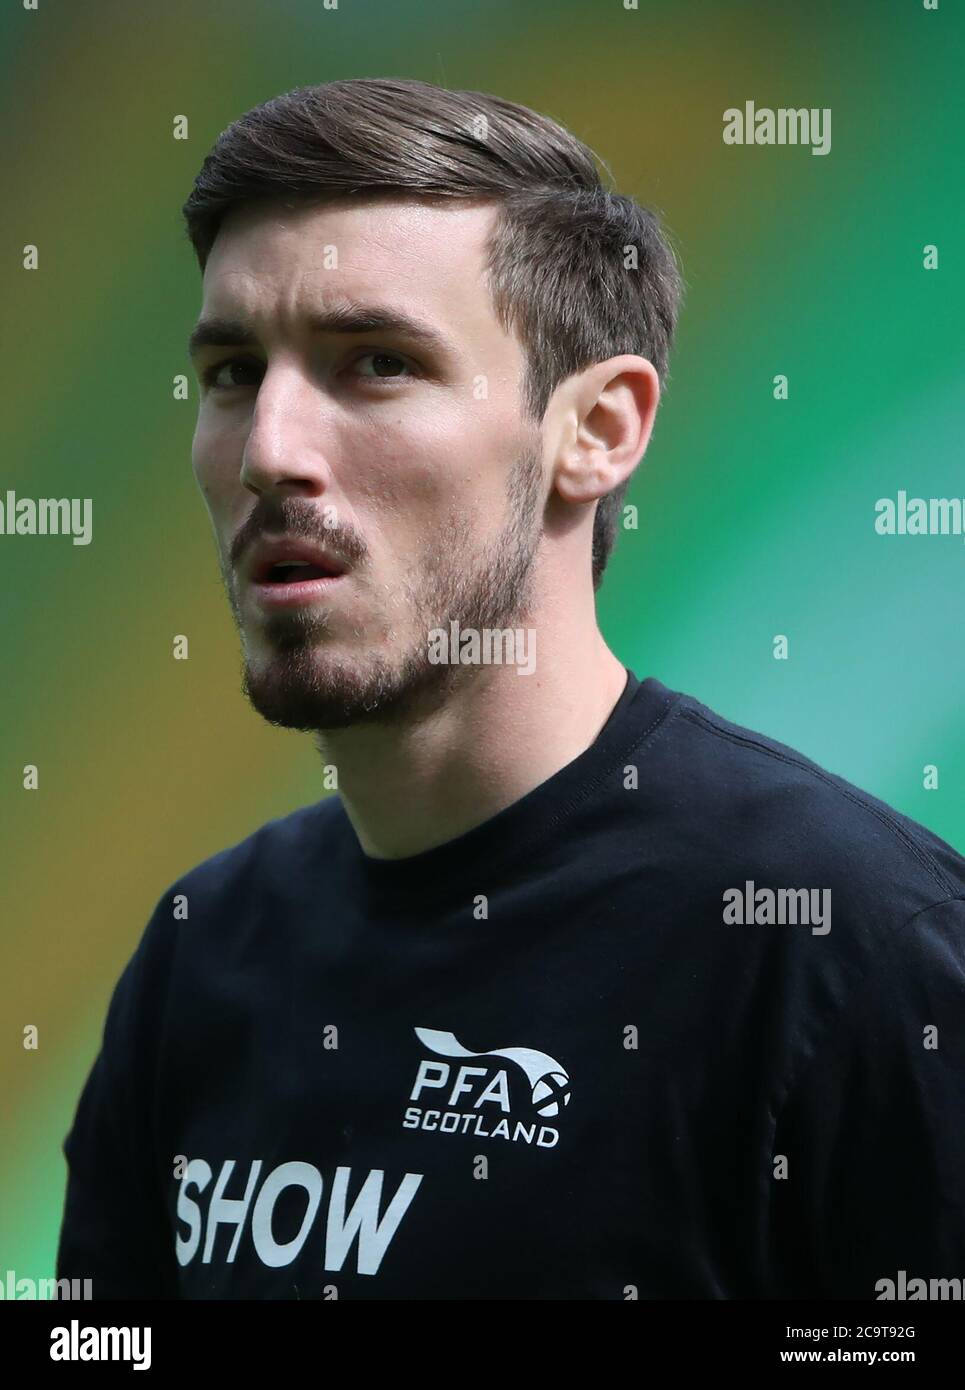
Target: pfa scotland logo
point(490, 1101)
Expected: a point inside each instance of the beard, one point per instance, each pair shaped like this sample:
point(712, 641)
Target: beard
point(302, 686)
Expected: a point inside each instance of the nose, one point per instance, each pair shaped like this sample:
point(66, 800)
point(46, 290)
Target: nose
point(282, 448)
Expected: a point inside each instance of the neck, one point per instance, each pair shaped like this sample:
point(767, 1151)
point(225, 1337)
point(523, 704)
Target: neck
point(409, 787)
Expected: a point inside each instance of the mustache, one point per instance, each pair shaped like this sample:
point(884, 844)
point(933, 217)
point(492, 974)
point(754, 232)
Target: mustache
point(300, 521)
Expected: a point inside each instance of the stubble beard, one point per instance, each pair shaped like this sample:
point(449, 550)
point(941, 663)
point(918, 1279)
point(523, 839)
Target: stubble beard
point(303, 686)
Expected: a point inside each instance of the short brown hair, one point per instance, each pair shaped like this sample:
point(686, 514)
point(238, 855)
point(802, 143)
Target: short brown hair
point(556, 263)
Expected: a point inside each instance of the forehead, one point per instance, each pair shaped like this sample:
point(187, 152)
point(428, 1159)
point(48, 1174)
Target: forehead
point(272, 264)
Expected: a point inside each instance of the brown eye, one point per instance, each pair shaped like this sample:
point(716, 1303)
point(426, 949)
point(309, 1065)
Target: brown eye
point(383, 363)
point(229, 367)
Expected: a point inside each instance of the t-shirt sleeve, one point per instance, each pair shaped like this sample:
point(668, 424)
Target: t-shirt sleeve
point(873, 1129)
point(114, 1229)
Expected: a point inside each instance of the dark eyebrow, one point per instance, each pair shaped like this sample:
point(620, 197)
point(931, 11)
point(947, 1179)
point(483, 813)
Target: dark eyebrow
point(346, 318)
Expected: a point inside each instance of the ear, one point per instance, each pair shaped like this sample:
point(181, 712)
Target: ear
point(608, 419)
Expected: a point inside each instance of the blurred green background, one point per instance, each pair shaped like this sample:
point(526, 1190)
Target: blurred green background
point(756, 515)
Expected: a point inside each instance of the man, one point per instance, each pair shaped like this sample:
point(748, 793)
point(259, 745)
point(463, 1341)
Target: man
point(573, 989)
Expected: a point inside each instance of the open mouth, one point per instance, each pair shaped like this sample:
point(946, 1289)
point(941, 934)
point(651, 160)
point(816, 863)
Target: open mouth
point(294, 572)
point(294, 583)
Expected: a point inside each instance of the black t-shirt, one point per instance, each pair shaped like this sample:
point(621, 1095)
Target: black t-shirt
point(686, 1020)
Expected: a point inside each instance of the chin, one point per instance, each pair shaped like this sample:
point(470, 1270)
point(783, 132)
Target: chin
point(299, 689)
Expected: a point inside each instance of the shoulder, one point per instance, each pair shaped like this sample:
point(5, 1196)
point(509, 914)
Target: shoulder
point(225, 900)
point(762, 806)
point(269, 855)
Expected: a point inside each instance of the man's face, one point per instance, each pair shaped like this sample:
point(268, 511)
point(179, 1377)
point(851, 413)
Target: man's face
point(407, 461)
